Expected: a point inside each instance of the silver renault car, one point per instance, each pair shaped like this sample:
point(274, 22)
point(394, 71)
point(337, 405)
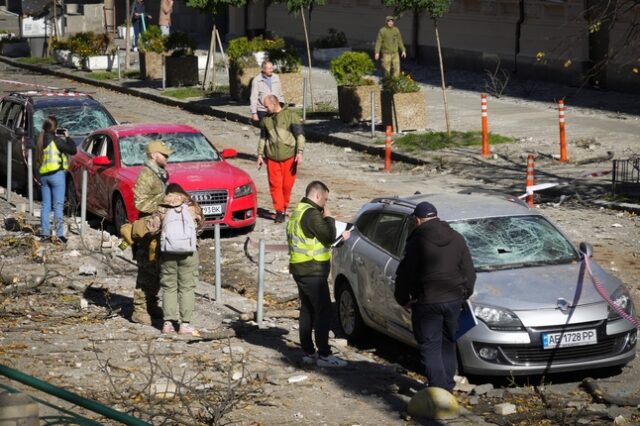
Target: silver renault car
point(537, 308)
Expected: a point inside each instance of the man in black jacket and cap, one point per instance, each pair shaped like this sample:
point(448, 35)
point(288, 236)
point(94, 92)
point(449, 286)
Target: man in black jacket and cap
point(433, 279)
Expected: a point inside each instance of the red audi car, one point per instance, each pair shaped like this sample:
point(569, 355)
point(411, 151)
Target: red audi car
point(114, 156)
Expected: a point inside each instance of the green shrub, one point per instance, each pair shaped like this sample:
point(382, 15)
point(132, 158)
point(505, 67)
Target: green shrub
point(60, 44)
point(285, 60)
point(334, 39)
point(83, 44)
point(180, 44)
point(350, 68)
point(400, 84)
point(152, 40)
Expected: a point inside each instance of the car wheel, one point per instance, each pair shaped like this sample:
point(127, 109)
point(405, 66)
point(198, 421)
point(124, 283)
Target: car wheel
point(119, 214)
point(71, 204)
point(349, 317)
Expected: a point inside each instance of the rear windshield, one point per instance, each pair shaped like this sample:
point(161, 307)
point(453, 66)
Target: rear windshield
point(79, 119)
point(514, 242)
point(186, 147)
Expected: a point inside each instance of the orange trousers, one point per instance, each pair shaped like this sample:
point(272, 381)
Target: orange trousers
point(280, 182)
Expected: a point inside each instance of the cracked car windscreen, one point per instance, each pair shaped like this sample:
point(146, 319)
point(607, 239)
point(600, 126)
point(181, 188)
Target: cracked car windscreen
point(511, 242)
point(79, 119)
point(187, 147)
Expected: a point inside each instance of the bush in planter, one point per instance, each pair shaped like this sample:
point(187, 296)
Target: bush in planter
point(180, 44)
point(84, 44)
point(334, 40)
point(285, 60)
point(152, 40)
point(181, 67)
point(13, 46)
point(354, 88)
point(403, 104)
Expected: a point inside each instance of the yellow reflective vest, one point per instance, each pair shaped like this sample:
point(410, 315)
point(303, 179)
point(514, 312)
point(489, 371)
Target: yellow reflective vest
point(53, 159)
point(301, 248)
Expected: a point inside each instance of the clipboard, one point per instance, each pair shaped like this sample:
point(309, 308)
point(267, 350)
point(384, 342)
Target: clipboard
point(340, 228)
point(467, 320)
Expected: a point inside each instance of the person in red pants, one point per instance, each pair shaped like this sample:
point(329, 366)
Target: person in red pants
point(281, 145)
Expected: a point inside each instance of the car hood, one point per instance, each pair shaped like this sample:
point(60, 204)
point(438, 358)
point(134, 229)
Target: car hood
point(197, 176)
point(541, 287)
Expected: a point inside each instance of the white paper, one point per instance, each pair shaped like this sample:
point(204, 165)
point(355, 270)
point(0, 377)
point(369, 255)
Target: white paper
point(340, 228)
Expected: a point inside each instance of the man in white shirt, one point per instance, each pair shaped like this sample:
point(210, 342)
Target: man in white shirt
point(265, 83)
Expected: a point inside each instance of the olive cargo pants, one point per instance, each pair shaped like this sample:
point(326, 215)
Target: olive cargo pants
point(391, 64)
point(179, 275)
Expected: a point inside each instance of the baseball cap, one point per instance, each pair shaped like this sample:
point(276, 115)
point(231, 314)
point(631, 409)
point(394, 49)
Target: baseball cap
point(425, 209)
point(389, 18)
point(159, 146)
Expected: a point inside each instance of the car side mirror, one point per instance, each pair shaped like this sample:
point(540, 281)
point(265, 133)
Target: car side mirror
point(101, 160)
point(229, 153)
point(586, 248)
point(20, 132)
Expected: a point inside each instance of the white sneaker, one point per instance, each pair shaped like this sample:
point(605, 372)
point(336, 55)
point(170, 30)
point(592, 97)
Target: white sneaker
point(135, 49)
point(310, 359)
point(331, 361)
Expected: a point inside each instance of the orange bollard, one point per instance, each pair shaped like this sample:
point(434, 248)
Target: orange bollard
point(387, 151)
point(563, 136)
point(485, 127)
point(530, 180)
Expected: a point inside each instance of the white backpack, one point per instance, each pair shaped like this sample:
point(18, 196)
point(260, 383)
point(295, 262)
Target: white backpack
point(178, 231)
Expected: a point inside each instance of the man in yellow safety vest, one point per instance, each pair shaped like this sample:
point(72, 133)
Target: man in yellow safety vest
point(310, 233)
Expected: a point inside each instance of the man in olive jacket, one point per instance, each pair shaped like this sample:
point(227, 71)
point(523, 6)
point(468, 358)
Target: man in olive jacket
point(433, 279)
point(389, 42)
point(148, 193)
point(310, 234)
point(281, 143)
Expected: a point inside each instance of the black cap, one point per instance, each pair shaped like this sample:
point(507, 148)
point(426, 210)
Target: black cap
point(425, 209)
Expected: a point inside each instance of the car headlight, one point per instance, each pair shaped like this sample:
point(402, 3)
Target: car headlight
point(622, 299)
point(243, 190)
point(497, 318)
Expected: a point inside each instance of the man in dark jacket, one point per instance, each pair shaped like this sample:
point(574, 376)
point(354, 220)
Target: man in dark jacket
point(433, 279)
point(310, 234)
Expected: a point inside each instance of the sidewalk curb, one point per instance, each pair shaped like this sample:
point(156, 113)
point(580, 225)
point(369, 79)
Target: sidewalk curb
point(312, 135)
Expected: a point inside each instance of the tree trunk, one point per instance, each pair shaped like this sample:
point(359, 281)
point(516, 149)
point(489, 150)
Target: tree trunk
point(210, 56)
point(444, 89)
point(306, 39)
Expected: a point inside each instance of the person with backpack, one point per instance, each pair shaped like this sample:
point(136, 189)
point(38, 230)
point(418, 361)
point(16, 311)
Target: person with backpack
point(178, 220)
point(52, 150)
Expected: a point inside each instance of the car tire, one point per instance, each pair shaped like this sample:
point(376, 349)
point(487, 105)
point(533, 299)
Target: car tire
point(349, 317)
point(71, 203)
point(120, 216)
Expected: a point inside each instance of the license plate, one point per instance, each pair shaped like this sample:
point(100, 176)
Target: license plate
point(209, 210)
point(569, 338)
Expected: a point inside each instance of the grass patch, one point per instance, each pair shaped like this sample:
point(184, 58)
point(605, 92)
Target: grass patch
point(435, 141)
point(36, 60)
point(195, 92)
point(112, 75)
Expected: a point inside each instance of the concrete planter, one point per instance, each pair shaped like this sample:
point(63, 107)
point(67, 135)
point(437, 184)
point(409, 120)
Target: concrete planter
point(404, 111)
point(181, 70)
point(326, 55)
point(102, 62)
point(240, 81)
point(75, 61)
point(15, 49)
point(354, 103)
point(292, 87)
point(150, 65)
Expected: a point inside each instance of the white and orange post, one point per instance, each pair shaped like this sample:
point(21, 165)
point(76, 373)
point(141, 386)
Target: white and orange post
point(530, 181)
point(563, 136)
point(485, 127)
point(387, 150)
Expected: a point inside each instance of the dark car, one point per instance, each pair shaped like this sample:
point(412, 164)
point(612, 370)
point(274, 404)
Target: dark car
point(22, 115)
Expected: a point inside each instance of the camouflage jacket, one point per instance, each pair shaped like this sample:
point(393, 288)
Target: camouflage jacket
point(389, 40)
point(149, 189)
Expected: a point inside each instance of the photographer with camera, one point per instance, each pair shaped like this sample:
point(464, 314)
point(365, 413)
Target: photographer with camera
point(52, 150)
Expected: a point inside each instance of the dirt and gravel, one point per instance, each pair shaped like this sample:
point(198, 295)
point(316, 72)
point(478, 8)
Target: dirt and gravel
point(71, 328)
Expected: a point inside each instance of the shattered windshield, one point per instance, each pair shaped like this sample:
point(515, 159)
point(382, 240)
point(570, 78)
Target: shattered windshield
point(512, 242)
point(186, 147)
point(79, 119)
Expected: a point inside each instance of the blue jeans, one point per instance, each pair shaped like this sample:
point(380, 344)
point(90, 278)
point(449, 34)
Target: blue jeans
point(434, 327)
point(53, 189)
point(137, 30)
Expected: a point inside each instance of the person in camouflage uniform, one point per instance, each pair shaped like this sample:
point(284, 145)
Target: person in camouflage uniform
point(149, 192)
point(389, 42)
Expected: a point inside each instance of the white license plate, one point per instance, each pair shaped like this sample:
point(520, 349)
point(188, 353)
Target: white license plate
point(569, 338)
point(209, 210)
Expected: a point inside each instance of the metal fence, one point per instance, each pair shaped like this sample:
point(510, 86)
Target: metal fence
point(626, 177)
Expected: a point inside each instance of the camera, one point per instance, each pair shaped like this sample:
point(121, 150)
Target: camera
point(60, 131)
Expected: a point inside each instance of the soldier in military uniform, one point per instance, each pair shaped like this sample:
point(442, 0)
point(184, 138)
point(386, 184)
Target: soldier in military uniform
point(149, 192)
point(389, 42)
